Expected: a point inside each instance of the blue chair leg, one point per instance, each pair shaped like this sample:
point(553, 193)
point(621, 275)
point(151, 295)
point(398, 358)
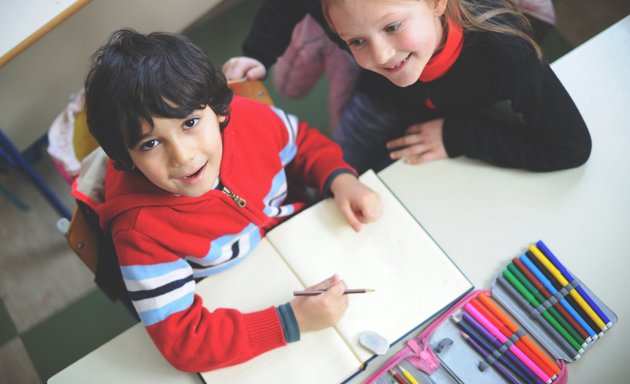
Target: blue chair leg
point(21, 162)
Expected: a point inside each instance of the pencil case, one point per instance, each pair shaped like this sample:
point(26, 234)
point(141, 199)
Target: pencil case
point(441, 355)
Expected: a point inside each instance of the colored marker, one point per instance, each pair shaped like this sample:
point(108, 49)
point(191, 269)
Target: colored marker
point(547, 252)
point(574, 293)
point(548, 297)
point(502, 371)
point(475, 302)
point(407, 375)
point(521, 302)
point(494, 309)
point(534, 303)
point(517, 351)
point(551, 310)
point(568, 297)
point(552, 290)
point(475, 330)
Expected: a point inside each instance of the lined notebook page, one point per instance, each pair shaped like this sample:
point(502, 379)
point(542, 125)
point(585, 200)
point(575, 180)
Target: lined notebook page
point(261, 280)
point(412, 277)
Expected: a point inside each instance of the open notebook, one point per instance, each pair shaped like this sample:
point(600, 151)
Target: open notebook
point(412, 277)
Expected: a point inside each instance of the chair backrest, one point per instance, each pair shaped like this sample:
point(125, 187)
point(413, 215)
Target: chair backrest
point(252, 89)
point(84, 234)
point(82, 140)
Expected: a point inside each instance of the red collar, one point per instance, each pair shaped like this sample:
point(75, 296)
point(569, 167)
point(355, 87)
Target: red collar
point(444, 60)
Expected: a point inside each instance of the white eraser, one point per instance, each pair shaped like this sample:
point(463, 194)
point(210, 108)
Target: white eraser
point(374, 342)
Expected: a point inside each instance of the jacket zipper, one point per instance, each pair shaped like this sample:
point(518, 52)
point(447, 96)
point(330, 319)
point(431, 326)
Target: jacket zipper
point(237, 199)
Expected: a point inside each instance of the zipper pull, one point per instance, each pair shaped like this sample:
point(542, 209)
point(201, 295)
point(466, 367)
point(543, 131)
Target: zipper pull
point(237, 199)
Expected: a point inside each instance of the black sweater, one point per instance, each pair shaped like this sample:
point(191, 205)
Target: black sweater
point(544, 131)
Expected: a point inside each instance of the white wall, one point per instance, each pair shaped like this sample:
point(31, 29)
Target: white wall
point(34, 86)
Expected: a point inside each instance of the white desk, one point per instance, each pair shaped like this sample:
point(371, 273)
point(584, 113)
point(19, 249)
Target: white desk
point(483, 216)
point(20, 32)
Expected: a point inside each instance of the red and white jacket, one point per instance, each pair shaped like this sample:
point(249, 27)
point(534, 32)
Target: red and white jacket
point(166, 242)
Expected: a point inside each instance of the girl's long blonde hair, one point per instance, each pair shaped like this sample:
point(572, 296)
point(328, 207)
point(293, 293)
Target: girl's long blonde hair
point(481, 15)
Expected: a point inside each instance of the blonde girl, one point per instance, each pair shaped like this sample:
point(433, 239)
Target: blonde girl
point(448, 78)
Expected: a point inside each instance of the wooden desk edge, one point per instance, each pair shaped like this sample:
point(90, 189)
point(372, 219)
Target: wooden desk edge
point(42, 31)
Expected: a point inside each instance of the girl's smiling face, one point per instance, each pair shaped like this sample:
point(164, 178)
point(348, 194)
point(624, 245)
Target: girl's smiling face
point(395, 38)
point(181, 156)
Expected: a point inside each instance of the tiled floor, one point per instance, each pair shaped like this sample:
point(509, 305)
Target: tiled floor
point(51, 314)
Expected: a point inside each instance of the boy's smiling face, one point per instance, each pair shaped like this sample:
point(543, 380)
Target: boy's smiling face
point(181, 156)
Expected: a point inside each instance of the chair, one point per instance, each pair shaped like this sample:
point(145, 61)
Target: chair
point(83, 233)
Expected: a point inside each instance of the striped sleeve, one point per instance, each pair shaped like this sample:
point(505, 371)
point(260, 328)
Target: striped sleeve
point(189, 335)
point(159, 290)
point(308, 154)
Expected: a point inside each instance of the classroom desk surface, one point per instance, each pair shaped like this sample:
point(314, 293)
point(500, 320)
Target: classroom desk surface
point(483, 216)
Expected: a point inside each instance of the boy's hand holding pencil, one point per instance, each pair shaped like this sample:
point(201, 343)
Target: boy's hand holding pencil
point(323, 310)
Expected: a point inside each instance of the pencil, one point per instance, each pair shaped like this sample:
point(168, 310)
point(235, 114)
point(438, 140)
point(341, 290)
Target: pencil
point(407, 375)
point(316, 292)
point(397, 376)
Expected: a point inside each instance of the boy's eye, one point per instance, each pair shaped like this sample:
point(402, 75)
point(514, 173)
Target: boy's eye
point(392, 27)
point(148, 145)
point(355, 43)
point(191, 122)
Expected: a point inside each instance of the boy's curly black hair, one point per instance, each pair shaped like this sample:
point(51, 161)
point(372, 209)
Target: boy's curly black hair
point(134, 77)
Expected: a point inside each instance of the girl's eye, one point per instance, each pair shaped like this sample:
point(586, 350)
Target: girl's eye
point(355, 43)
point(148, 145)
point(191, 122)
point(392, 27)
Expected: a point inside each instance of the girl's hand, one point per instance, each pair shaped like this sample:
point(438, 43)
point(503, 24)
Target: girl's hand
point(358, 203)
point(324, 310)
point(243, 67)
point(421, 143)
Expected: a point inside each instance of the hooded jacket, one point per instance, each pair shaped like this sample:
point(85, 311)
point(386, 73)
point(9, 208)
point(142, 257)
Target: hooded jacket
point(165, 242)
